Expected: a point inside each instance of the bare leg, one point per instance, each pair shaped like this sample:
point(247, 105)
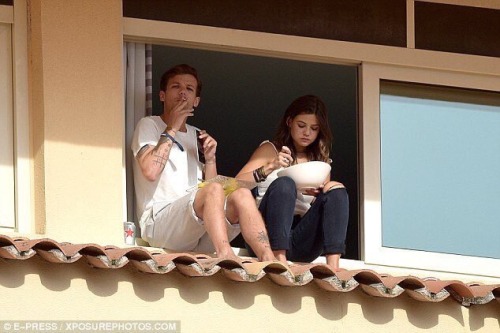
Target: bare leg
point(332, 260)
point(209, 206)
point(241, 208)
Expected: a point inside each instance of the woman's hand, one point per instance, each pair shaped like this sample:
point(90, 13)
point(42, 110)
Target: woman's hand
point(267, 157)
point(312, 191)
point(283, 159)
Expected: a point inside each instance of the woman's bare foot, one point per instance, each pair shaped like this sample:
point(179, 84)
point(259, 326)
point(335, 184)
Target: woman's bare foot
point(281, 256)
point(333, 260)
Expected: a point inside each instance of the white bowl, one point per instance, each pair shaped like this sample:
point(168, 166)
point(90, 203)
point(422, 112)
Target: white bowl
point(307, 175)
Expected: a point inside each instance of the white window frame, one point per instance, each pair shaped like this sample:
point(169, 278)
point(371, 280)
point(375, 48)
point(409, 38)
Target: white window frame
point(7, 205)
point(17, 16)
point(374, 252)
point(368, 56)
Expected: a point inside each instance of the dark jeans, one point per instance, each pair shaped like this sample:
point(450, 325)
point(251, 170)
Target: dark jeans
point(322, 230)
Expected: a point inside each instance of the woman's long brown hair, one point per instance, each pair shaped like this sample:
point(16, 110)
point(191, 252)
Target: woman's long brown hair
point(319, 150)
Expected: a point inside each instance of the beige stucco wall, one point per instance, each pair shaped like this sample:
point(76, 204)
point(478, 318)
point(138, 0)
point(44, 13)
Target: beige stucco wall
point(75, 52)
point(37, 290)
point(76, 103)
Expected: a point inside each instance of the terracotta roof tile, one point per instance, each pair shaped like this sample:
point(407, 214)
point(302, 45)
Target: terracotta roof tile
point(249, 270)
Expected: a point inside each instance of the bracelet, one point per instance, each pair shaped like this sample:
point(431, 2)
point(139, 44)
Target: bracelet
point(259, 175)
point(255, 176)
point(168, 136)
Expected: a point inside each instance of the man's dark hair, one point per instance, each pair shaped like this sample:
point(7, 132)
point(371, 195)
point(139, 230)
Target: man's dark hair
point(180, 70)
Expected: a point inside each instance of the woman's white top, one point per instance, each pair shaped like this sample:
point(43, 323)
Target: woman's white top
point(302, 204)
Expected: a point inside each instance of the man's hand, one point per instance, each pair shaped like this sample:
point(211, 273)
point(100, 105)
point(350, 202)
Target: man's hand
point(209, 146)
point(177, 117)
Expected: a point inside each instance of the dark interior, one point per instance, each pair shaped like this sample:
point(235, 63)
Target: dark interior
point(244, 97)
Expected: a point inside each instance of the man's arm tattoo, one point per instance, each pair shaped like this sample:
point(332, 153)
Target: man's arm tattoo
point(262, 237)
point(161, 151)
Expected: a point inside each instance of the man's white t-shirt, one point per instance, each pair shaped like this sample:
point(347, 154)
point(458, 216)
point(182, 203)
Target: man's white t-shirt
point(177, 177)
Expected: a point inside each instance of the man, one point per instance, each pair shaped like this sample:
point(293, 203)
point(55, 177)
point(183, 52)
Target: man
point(173, 212)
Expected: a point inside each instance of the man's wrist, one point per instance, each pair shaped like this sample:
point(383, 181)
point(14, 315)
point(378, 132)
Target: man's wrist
point(211, 161)
point(170, 130)
point(171, 138)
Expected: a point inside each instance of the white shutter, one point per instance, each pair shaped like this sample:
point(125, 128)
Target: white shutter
point(7, 215)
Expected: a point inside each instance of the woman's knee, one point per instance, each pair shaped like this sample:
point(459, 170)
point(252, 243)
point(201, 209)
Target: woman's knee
point(332, 185)
point(338, 195)
point(283, 186)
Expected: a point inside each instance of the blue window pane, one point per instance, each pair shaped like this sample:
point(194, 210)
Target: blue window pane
point(440, 165)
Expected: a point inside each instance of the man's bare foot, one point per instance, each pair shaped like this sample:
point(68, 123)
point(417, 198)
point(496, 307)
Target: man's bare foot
point(267, 256)
point(228, 255)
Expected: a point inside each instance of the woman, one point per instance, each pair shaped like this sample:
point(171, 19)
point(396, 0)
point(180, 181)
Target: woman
point(298, 229)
